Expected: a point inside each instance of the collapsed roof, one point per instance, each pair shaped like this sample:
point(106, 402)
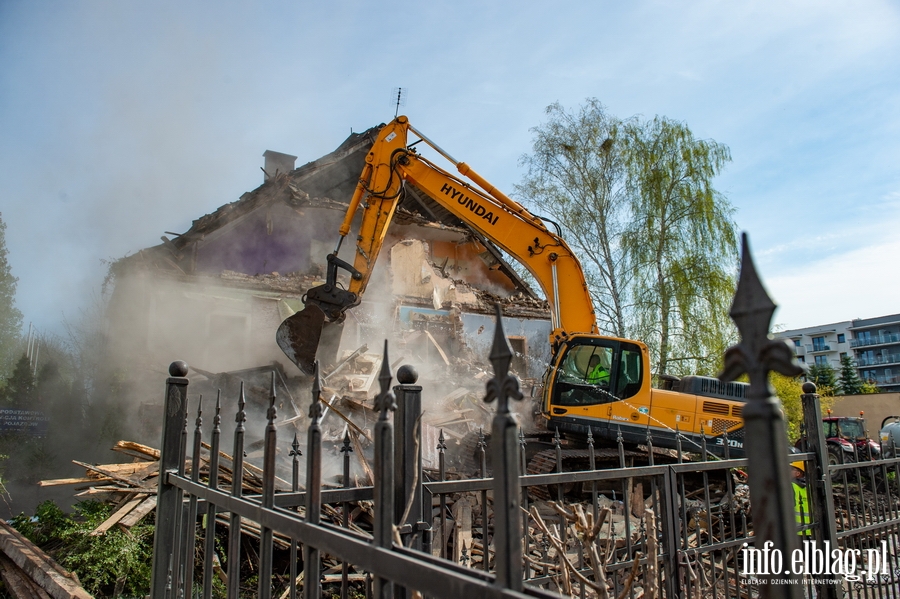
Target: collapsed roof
point(328, 183)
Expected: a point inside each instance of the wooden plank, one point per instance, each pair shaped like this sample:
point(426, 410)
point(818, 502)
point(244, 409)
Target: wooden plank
point(143, 451)
point(248, 468)
point(106, 473)
point(132, 469)
point(117, 515)
point(346, 419)
point(112, 489)
point(50, 576)
point(56, 482)
point(17, 582)
point(357, 449)
point(145, 507)
point(439, 348)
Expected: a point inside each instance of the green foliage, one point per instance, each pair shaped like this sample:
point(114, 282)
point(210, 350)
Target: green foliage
point(788, 390)
point(10, 316)
point(867, 387)
point(681, 243)
point(19, 392)
point(849, 382)
point(99, 561)
point(656, 240)
point(576, 175)
point(824, 377)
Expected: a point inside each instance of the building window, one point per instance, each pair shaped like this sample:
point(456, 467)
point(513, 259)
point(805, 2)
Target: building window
point(821, 360)
point(841, 338)
point(843, 355)
point(801, 359)
point(819, 344)
point(796, 343)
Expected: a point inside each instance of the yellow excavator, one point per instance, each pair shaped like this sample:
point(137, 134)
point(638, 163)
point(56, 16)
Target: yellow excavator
point(594, 383)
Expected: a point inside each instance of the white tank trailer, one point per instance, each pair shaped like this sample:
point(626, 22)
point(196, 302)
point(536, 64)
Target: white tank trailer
point(890, 436)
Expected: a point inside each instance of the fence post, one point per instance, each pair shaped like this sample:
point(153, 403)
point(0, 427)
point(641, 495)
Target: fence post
point(384, 469)
point(408, 457)
point(294, 454)
point(504, 448)
point(312, 557)
point(237, 491)
point(820, 482)
point(191, 522)
point(210, 536)
point(266, 535)
point(168, 508)
point(765, 431)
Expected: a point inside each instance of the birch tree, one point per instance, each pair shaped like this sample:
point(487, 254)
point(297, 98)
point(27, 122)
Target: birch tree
point(681, 245)
point(636, 201)
point(576, 176)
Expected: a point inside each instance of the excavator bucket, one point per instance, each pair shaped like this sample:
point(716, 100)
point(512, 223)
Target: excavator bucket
point(298, 337)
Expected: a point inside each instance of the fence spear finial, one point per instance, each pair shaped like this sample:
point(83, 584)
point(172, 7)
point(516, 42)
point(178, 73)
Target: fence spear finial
point(241, 416)
point(385, 401)
point(752, 312)
point(503, 386)
point(315, 408)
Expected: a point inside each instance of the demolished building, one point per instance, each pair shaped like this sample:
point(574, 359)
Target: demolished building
point(214, 295)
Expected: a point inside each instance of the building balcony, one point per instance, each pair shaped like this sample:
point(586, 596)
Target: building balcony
point(813, 348)
point(882, 360)
point(876, 340)
point(884, 381)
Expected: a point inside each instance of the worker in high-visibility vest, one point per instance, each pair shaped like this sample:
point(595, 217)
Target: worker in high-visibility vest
point(801, 499)
point(597, 373)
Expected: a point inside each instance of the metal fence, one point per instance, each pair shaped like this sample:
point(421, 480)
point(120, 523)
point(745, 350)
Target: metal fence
point(681, 529)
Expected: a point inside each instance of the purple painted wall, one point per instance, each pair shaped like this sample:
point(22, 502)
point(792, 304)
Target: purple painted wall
point(274, 238)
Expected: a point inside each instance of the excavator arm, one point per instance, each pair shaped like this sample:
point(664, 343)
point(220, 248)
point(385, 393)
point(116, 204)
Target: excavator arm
point(391, 165)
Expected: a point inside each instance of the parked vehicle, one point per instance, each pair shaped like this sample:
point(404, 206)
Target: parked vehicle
point(890, 436)
point(846, 440)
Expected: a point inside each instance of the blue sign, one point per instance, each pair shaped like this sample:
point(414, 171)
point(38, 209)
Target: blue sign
point(26, 422)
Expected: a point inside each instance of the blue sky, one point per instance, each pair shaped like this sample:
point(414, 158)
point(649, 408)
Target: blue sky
point(122, 120)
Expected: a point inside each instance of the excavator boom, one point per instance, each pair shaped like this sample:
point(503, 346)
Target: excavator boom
point(391, 165)
point(594, 384)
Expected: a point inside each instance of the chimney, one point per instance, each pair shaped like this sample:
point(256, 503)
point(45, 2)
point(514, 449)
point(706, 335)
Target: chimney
point(276, 162)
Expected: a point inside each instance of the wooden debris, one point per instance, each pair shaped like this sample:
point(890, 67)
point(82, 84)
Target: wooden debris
point(52, 578)
point(116, 517)
point(346, 419)
point(17, 582)
point(56, 482)
point(357, 449)
point(145, 507)
point(137, 450)
point(437, 346)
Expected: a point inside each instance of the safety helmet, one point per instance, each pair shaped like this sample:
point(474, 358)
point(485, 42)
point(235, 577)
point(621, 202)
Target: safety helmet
point(799, 465)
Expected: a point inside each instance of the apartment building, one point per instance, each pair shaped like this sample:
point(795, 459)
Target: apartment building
point(876, 345)
point(822, 345)
point(873, 343)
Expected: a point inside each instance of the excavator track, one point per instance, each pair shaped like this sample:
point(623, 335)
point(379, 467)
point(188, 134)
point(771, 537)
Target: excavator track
point(575, 460)
point(544, 462)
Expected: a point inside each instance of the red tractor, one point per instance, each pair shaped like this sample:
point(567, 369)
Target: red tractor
point(846, 439)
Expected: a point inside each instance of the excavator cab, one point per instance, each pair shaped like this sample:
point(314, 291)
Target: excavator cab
point(593, 371)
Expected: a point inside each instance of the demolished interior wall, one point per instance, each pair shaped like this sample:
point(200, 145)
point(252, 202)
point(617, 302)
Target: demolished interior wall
point(215, 295)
